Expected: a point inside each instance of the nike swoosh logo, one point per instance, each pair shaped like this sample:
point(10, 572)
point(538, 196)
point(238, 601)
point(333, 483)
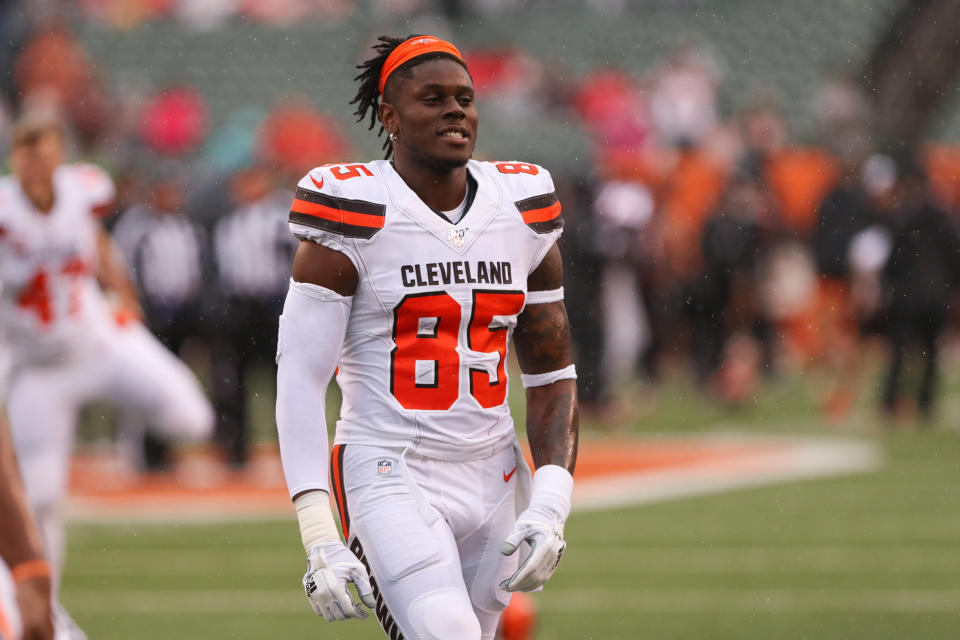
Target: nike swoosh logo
point(507, 476)
point(319, 184)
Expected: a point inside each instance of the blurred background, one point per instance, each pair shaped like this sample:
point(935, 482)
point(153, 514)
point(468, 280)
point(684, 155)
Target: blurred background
point(762, 251)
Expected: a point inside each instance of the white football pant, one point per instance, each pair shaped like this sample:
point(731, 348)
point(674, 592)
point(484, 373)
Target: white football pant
point(131, 370)
point(429, 532)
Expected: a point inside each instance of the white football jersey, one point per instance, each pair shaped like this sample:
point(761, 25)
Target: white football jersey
point(48, 261)
point(424, 358)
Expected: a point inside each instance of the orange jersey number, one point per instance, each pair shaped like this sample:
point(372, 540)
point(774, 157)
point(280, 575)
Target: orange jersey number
point(36, 297)
point(487, 336)
point(347, 171)
point(517, 167)
point(426, 329)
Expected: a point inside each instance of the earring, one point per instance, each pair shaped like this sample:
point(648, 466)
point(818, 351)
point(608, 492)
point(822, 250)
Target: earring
point(393, 137)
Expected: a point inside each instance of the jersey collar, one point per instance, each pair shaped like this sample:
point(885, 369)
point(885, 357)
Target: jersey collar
point(460, 236)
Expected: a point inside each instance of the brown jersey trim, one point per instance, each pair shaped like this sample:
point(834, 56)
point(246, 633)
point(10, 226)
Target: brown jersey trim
point(541, 213)
point(336, 483)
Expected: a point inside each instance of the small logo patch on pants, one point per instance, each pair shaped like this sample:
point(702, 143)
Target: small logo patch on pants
point(384, 467)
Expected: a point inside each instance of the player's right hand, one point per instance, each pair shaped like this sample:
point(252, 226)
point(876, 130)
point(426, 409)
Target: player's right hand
point(36, 611)
point(329, 568)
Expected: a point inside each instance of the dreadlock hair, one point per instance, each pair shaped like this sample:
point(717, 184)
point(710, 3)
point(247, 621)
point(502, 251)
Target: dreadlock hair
point(368, 94)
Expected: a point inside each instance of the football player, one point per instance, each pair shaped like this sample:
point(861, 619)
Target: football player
point(412, 275)
point(69, 344)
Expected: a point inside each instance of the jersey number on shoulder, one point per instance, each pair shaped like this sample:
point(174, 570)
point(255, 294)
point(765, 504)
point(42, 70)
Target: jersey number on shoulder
point(517, 167)
point(347, 171)
point(426, 329)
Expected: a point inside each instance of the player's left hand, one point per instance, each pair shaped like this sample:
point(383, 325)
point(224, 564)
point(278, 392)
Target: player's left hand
point(541, 528)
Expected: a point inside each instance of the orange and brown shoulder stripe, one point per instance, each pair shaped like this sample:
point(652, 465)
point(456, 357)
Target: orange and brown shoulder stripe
point(541, 213)
point(343, 216)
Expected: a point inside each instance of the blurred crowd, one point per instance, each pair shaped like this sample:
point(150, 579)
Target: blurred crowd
point(710, 240)
point(726, 244)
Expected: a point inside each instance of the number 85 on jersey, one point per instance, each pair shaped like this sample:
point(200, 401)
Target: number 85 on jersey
point(426, 362)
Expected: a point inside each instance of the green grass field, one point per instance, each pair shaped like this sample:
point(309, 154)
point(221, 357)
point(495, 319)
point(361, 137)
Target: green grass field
point(869, 556)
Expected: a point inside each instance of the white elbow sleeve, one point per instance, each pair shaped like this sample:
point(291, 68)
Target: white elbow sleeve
point(543, 379)
point(311, 333)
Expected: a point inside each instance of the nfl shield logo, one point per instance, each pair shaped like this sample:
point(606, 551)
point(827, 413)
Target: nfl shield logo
point(456, 236)
point(384, 467)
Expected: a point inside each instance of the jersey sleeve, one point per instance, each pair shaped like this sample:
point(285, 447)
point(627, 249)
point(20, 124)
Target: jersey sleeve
point(533, 193)
point(317, 215)
point(98, 187)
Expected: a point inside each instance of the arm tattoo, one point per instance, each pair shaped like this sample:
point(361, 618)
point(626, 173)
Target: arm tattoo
point(542, 338)
point(553, 424)
point(542, 342)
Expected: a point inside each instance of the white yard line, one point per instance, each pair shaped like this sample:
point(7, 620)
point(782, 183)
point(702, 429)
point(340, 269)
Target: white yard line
point(719, 601)
point(792, 460)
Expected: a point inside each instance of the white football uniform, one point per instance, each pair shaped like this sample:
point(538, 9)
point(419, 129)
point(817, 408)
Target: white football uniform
point(67, 347)
point(425, 464)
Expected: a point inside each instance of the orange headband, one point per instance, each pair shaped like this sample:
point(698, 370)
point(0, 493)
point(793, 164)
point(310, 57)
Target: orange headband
point(412, 48)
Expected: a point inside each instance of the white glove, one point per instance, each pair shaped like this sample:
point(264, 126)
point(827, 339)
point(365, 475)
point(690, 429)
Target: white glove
point(543, 531)
point(540, 526)
point(329, 568)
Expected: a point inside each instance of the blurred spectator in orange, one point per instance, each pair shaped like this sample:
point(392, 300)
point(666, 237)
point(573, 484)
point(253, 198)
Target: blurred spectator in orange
point(295, 137)
point(53, 72)
point(798, 177)
point(691, 191)
point(52, 60)
point(253, 251)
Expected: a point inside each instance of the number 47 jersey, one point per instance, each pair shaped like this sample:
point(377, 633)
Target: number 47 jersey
point(424, 359)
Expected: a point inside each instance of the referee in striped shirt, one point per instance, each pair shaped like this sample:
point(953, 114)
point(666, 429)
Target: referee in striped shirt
point(253, 252)
point(166, 253)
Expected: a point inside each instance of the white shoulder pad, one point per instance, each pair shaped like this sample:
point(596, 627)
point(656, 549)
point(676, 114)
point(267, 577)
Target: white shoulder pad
point(530, 188)
point(342, 199)
point(96, 185)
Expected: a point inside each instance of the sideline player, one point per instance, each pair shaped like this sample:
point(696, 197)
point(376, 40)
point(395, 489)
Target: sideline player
point(25, 607)
point(68, 346)
point(412, 275)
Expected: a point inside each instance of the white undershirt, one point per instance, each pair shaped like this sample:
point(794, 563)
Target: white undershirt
point(454, 215)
